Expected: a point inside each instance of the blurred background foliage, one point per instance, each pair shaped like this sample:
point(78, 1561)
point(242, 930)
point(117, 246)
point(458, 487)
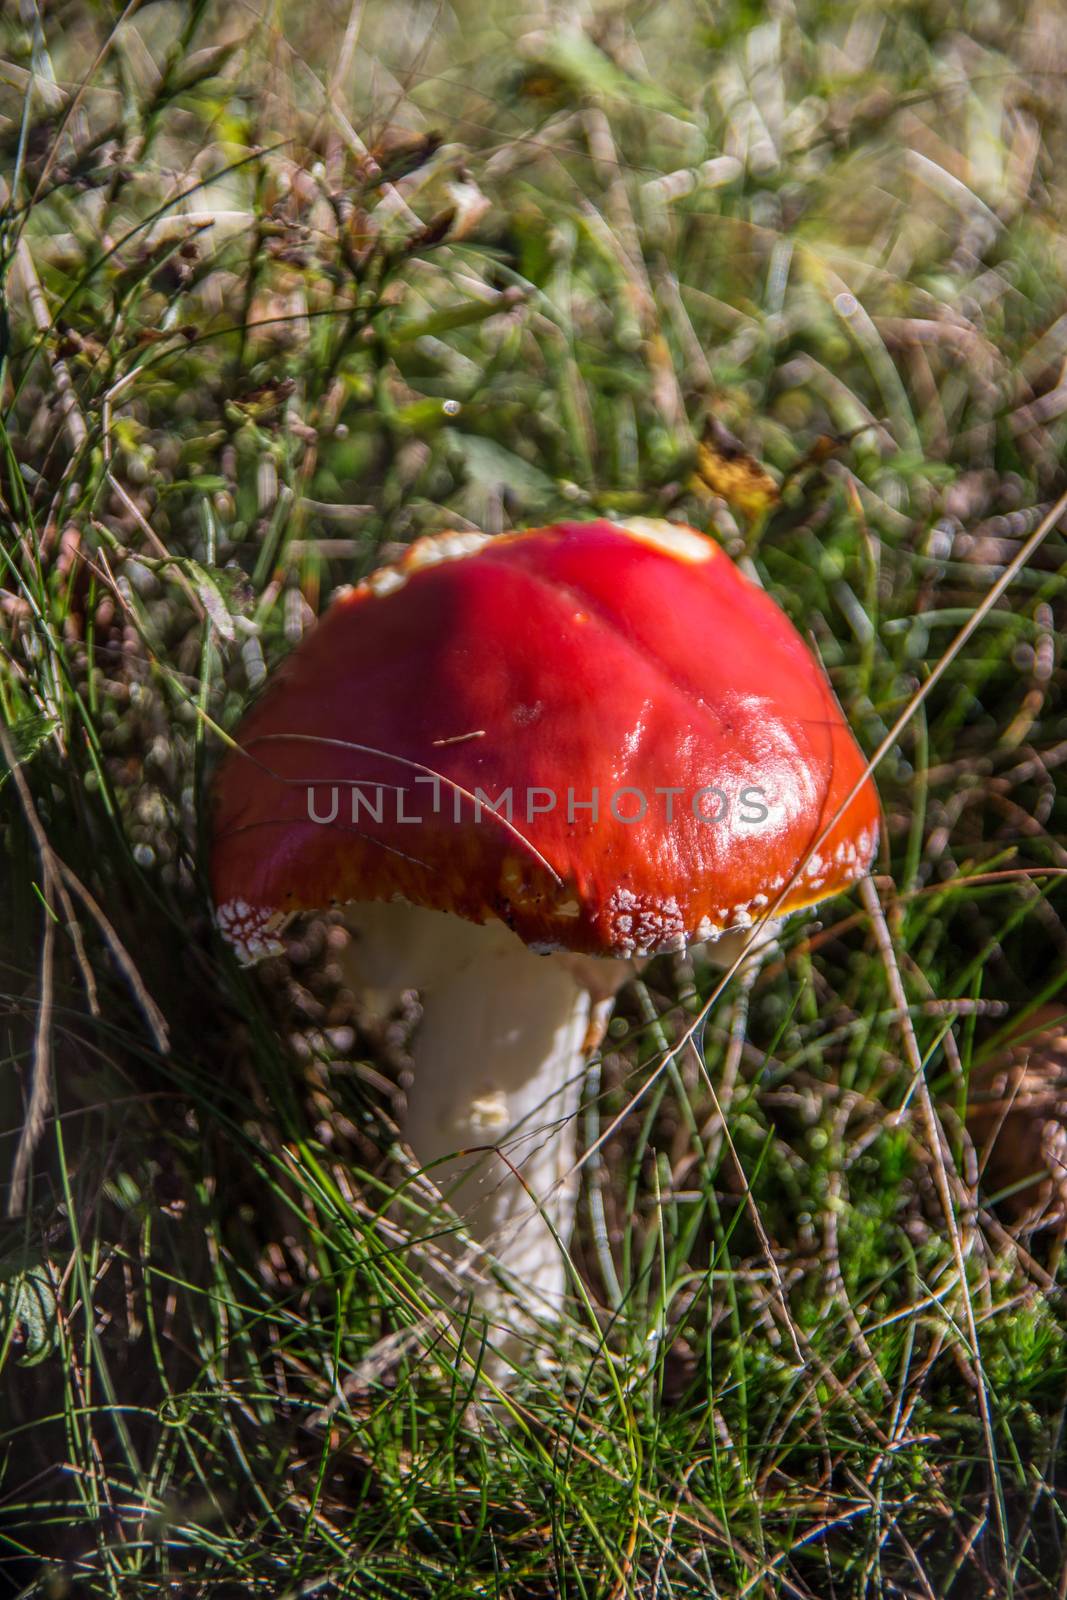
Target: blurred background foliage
point(285, 287)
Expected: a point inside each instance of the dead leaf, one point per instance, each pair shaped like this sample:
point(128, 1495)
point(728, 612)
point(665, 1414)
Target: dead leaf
point(725, 468)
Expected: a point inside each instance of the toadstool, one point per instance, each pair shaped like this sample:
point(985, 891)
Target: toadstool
point(521, 763)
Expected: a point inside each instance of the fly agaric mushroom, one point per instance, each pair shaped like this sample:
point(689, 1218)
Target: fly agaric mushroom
point(520, 764)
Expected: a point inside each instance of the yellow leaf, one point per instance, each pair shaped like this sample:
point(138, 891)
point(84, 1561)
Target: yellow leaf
point(725, 468)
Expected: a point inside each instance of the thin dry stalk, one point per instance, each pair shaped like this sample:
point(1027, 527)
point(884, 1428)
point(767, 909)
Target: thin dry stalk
point(55, 876)
point(73, 421)
point(941, 1166)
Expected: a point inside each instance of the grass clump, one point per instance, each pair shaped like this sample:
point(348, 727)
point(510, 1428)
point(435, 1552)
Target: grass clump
point(281, 292)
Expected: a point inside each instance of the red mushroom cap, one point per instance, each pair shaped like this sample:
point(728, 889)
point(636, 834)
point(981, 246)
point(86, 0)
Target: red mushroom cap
point(671, 749)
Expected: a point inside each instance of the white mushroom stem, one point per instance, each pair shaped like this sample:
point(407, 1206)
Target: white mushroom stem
point(499, 1057)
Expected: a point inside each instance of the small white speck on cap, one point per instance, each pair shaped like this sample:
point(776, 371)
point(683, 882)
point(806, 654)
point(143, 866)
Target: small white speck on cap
point(685, 544)
point(645, 926)
point(428, 552)
point(439, 547)
point(385, 581)
point(250, 930)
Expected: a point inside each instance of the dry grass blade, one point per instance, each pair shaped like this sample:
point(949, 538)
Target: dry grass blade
point(56, 877)
point(41, 1071)
point(154, 1017)
point(73, 420)
point(40, 1096)
point(946, 1180)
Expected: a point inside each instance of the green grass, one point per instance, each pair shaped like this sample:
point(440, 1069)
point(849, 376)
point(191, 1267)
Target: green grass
point(223, 1373)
